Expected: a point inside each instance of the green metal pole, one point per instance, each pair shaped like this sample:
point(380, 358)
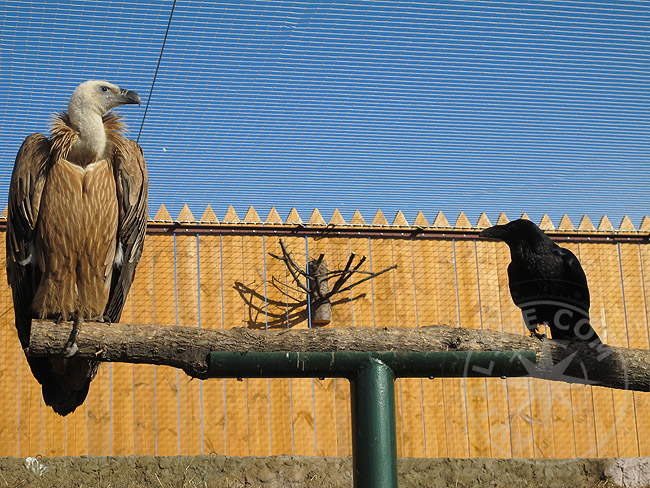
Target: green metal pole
point(374, 449)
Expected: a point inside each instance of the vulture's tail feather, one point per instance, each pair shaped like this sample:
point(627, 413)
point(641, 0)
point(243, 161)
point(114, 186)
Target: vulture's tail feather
point(64, 382)
point(64, 402)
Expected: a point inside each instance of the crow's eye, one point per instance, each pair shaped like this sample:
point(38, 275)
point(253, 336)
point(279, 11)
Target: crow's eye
point(104, 88)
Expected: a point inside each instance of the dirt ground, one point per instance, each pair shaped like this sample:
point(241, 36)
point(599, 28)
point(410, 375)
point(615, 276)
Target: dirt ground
point(294, 472)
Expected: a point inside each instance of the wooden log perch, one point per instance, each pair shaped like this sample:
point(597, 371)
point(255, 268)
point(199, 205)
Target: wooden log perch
point(188, 347)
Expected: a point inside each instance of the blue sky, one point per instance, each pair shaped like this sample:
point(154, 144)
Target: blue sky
point(456, 106)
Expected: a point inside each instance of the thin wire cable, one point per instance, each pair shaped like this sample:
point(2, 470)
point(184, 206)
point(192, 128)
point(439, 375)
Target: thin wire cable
point(155, 75)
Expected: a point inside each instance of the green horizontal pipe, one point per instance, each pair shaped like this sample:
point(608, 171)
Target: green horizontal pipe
point(343, 364)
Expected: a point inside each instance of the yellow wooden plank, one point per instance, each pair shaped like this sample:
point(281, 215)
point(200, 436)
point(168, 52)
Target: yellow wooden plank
point(641, 399)
point(603, 403)
point(187, 303)
point(626, 434)
point(519, 408)
point(259, 422)
point(435, 427)
point(10, 352)
point(455, 406)
point(325, 419)
point(234, 311)
point(277, 310)
point(167, 401)
point(498, 433)
point(636, 328)
point(281, 420)
point(469, 306)
point(30, 412)
point(99, 413)
point(439, 261)
point(302, 402)
point(302, 389)
point(144, 389)
point(361, 295)
point(122, 409)
point(384, 314)
point(297, 316)
point(455, 422)
point(53, 434)
point(337, 253)
point(635, 315)
point(584, 424)
point(410, 389)
point(429, 256)
point(325, 416)
point(214, 418)
point(562, 409)
point(441, 265)
point(581, 398)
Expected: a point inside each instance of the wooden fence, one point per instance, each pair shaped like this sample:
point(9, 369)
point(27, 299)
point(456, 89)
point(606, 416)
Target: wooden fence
point(220, 275)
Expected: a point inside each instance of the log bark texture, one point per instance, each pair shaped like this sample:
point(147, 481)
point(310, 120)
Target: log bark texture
point(188, 347)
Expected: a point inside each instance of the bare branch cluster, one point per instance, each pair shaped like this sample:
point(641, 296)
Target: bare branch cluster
point(312, 278)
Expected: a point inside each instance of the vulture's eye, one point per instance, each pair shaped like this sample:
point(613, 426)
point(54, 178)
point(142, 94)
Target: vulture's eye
point(104, 88)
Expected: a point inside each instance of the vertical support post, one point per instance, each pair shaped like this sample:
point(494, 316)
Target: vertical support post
point(321, 308)
point(374, 449)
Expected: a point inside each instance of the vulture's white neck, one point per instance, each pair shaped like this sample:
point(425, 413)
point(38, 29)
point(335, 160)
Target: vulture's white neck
point(91, 144)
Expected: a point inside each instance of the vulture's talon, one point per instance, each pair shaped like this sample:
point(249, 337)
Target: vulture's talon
point(104, 319)
point(71, 347)
point(71, 351)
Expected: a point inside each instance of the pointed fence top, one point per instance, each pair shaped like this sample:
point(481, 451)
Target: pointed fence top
point(379, 220)
point(273, 218)
point(337, 218)
point(357, 219)
point(293, 218)
point(546, 223)
point(252, 217)
point(185, 215)
point(162, 215)
point(462, 222)
point(441, 221)
point(645, 224)
point(420, 220)
point(231, 216)
point(585, 224)
point(316, 218)
point(605, 225)
point(565, 223)
point(483, 221)
point(400, 220)
point(626, 225)
point(209, 217)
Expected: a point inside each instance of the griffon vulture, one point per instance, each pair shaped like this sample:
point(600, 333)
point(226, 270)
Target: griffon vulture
point(75, 229)
point(546, 282)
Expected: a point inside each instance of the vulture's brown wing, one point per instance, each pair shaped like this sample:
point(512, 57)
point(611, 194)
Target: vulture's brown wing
point(132, 193)
point(25, 190)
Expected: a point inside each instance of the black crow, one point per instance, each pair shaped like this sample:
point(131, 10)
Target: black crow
point(546, 282)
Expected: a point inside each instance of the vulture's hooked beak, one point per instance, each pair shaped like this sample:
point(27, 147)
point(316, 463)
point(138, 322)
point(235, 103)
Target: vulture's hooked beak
point(495, 232)
point(130, 97)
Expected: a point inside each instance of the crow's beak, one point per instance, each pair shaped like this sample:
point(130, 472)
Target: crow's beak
point(496, 232)
point(130, 97)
